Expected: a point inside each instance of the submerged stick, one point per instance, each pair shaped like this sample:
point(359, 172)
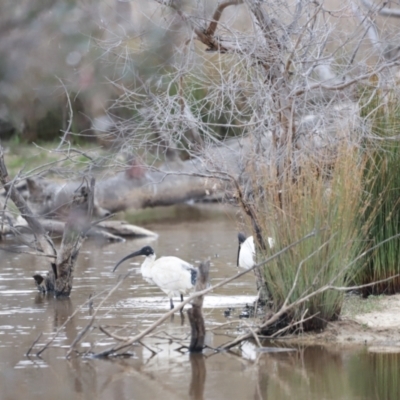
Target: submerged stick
point(178, 307)
point(195, 313)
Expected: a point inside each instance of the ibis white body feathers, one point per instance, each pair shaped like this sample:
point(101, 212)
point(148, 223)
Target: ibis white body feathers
point(172, 275)
point(247, 251)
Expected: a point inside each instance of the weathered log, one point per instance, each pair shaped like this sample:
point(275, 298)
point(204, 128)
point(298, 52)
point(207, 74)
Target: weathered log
point(202, 179)
point(123, 228)
point(112, 231)
point(195, 314)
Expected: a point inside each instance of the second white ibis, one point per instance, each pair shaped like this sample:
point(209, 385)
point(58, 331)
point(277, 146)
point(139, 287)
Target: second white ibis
point(247, 250)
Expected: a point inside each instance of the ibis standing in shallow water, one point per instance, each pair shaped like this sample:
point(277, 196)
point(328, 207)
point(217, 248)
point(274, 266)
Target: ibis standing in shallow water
point(171, 274)
point(247, 250)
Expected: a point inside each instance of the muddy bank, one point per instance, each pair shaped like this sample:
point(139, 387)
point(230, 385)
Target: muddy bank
point(373, 322)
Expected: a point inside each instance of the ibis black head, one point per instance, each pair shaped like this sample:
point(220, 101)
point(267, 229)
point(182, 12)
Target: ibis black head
point(145, 251)
point(241, 238)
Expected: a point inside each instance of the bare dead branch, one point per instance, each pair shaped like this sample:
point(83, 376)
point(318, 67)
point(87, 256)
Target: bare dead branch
point(210, 31)
point(381, 9)
point(293, 324)
point(253, 333)
point(351, 82)
point(296, 278)
point(299, 38)
point(55, 335)
point(84, 331)
point(33, 344)
point(71, 116)
point(114, 336)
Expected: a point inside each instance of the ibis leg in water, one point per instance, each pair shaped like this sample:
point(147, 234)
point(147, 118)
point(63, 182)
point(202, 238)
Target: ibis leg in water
point(175, 277)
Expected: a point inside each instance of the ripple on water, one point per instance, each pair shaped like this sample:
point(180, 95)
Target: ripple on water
point(14, 311)
point(37, 362)
point(159, 302)
point(14, 291)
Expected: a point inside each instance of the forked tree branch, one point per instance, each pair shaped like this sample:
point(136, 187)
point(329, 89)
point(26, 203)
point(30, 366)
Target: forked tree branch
point(210, 31)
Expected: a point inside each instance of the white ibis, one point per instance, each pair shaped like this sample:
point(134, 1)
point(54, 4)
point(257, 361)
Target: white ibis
point(171, 274)
point(247, 250)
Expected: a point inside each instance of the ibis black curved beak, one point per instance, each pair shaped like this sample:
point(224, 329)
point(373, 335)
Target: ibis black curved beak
point(135, 254)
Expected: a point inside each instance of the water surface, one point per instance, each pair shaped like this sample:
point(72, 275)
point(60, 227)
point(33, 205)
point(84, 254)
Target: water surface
point(192, 233)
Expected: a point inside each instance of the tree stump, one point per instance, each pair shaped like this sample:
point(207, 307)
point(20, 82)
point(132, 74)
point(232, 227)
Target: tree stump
point(77, 225)
point(195, 314)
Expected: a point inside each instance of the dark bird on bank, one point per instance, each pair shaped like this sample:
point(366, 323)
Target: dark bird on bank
point(247, 251)
point(172, 275)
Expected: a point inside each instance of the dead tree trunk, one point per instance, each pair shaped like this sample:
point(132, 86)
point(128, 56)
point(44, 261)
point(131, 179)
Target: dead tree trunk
point(62, 263)
point(195, 314)
point(77, 225)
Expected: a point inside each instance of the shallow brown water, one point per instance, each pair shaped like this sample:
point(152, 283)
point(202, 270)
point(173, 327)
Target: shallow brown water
point(193, 234)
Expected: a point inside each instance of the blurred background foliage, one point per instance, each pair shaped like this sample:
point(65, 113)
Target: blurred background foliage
point(84, 50)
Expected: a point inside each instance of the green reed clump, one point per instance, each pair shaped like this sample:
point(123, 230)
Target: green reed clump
point(382, 182)
point(288, 209)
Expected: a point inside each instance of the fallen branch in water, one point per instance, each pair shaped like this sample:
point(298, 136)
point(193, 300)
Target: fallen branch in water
point(51, 340)
point(293, 324)
point(33, 344)
point(113, 350)
point(83, 332)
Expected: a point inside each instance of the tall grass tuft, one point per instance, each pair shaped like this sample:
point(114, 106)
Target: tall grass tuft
point(382, 181)
point(327, 201)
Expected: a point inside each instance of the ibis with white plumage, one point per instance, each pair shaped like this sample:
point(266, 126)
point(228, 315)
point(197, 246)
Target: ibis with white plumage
point(247, 251)
point(175, 277)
